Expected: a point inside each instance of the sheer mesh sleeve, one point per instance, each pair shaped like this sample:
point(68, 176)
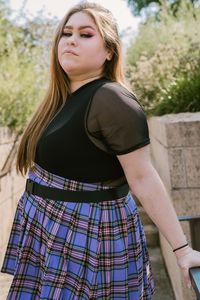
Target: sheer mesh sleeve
point(115, 121)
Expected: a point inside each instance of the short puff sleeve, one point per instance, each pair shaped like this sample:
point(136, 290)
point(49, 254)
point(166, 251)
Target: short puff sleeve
point(115, 121)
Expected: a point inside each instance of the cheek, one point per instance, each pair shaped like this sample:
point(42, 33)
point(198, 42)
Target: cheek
point(101, 51)
point(100, 54)
point(60, 47)
point(59, 53)
point(97, 51)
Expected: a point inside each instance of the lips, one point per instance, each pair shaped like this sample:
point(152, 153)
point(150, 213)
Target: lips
point(70, 52)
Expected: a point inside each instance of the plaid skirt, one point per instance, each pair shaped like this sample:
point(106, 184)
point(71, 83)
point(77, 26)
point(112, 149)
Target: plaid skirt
point(76, 250)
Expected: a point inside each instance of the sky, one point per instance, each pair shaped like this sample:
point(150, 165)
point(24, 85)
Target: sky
point(58, 8)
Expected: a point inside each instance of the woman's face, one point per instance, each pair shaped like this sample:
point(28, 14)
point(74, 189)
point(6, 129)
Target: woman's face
point(82, 38)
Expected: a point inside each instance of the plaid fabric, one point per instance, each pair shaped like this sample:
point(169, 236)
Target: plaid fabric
point(69, 250)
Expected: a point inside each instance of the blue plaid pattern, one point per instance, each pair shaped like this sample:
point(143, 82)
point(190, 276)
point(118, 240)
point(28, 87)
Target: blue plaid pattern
point(77, 251)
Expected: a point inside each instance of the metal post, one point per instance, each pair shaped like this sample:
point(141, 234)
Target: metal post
point(195, 233)
point(195, 278)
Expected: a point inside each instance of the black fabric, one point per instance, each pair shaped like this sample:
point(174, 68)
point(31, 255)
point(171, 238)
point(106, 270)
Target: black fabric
point(65, 149)
point(115, 120)
point(98, 121)
point(35, 188)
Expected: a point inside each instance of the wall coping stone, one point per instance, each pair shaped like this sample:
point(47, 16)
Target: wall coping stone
point(177, 130)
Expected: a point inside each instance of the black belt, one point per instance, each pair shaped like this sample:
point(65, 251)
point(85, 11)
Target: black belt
point(75, 196)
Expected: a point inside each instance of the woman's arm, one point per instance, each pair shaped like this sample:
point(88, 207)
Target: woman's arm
point(147, 186)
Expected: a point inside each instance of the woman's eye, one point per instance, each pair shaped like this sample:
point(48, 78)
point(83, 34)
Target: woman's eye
point(82, 34)
point(86, 35)
point(67, 33)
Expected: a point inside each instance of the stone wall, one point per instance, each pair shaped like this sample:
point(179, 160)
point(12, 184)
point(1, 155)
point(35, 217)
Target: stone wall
point(11, 185)
point(175, 150)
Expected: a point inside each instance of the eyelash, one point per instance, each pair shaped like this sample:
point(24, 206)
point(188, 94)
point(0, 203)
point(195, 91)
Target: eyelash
point(67, 34)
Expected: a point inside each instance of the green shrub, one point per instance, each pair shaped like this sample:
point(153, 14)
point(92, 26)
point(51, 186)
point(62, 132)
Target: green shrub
point(20, 91)
point(24, 59)
point(164, 57)
point(182, 96)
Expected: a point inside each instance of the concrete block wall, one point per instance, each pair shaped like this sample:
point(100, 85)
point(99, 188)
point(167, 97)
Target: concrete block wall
point(175, 151)
point(11, 188)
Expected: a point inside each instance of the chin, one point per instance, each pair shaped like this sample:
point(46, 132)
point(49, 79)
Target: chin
point(69, 69)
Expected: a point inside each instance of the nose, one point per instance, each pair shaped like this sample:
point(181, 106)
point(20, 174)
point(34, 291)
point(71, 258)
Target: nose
point(72, 40)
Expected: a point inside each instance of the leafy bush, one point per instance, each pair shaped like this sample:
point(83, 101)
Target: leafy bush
point(20, 90)
point(164, 61)
point(24, 58)
point(182, 96)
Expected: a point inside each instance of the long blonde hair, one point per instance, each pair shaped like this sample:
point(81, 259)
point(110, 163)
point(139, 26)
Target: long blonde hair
point(59, 84)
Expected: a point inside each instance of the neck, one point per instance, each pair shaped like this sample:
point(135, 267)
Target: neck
point(75, 83)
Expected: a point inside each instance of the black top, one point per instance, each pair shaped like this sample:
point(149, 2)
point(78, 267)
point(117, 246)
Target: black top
point(100, 120)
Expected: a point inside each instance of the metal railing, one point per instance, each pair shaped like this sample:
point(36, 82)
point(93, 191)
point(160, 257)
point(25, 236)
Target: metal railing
point(195, 279)
point(194, 223)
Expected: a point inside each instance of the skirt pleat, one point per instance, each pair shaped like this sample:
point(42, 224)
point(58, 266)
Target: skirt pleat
point(71, 250)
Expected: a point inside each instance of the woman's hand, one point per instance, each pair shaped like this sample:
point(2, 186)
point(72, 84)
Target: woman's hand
point(186, 259)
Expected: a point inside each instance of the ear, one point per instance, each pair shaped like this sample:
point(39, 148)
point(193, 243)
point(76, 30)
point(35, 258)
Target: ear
point(109, 55)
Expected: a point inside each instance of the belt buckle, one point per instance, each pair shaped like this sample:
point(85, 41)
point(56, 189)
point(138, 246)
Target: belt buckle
point(30, 186)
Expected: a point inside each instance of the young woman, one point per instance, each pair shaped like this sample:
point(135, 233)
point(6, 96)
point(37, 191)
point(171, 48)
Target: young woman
point(77, 233)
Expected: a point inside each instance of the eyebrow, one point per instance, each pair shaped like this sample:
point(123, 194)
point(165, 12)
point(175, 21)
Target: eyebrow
point(80, 27)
